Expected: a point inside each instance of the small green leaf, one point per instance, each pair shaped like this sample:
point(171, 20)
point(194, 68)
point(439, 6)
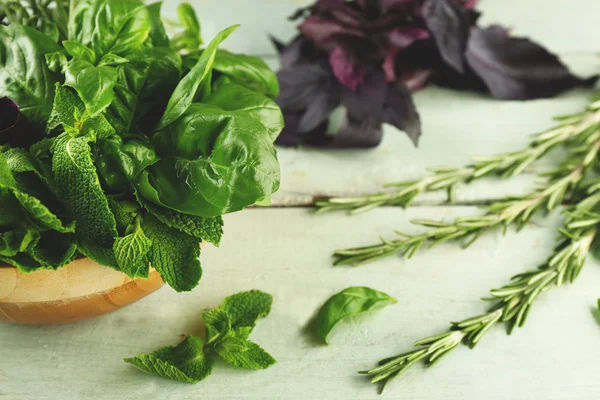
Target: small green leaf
point(112, 60)
point(208, 229)
point(185, 92)
point(131, 253)
point(349, 302)
point(78, 50)
point(218, 325)
point(185, 363)
point(57, 61)
point(95, 85)
point(174, 254)
point(244, 353)
point(188, 18)
point(247, 307)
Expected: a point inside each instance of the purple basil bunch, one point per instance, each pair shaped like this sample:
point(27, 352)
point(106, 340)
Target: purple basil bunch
point(355, 63)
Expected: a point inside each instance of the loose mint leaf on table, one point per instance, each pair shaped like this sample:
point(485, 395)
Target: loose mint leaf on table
point(244, 353)
point(208, 229)
point(174, 254)
point(225, 336)
point(349, 302)
point(218, 325)
point(185, 362)
point(78, 185)
point(247, 307)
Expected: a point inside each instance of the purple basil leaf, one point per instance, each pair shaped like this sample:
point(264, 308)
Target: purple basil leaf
point(9, 115)
point(399, 39)
point(449, 24)
point(14, 129)
point(347, 68)
point(517, 68)
point(310, 89)
point(353, 134)
point(367, 101)
point(400, 111)
point(291, 134)
point(323, 32)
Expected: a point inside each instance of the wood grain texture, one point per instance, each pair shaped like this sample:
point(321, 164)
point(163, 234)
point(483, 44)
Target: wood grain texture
point(286, 252)
point(80, 290)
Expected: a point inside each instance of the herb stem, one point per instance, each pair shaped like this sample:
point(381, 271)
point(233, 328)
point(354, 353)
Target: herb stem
point(511, 303)
point(505, 165)
point(506, 212)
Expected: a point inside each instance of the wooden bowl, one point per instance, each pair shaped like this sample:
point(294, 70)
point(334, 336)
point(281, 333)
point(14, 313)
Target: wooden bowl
point(81, 290)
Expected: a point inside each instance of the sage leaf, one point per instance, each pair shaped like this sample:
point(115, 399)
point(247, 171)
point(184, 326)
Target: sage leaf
point(347, 303)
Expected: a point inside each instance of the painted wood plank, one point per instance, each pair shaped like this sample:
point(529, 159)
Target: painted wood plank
point(286, 252)
point(560, 24)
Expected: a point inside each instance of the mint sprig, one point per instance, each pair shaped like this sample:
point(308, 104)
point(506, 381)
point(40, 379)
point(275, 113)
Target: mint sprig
point(227, 330)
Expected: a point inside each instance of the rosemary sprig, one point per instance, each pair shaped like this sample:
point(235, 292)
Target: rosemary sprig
point(517, 210)
point(512, 302)
point(448, 178)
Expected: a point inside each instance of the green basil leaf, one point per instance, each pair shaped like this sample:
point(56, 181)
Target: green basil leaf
point(246, 308)
point(213, 162)
point(189, 19)
point(244, 353)
point(131, 79)
point(120, 162)
point(78, 50)
point(249, 71)
point(174, 254)
point(185, 363)
point(93, 84)
point(185, 92)
point(158, 34)
point(349, 302)
point(110, 26)
point(24, 74)
point(57, 61)
point(233, 97)
point(112, 60)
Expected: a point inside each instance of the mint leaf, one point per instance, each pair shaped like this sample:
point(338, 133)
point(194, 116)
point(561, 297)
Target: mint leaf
point(218, 325)
point(79, 187)
point(131, 253)
point(66, 110)
point(244, 353)
point(13, 242)
point(209, 229)
point(247, 307)
point(23, 261)
point(124, 212)
point(54, 249)
point(185, 363)
point(29, 186)
point(174, 254)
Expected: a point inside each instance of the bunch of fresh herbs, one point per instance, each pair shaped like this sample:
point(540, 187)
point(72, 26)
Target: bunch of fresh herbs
point(355, 63)
point(121, 145)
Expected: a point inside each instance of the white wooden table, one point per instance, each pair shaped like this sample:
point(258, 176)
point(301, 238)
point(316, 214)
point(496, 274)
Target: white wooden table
point(285, 250)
